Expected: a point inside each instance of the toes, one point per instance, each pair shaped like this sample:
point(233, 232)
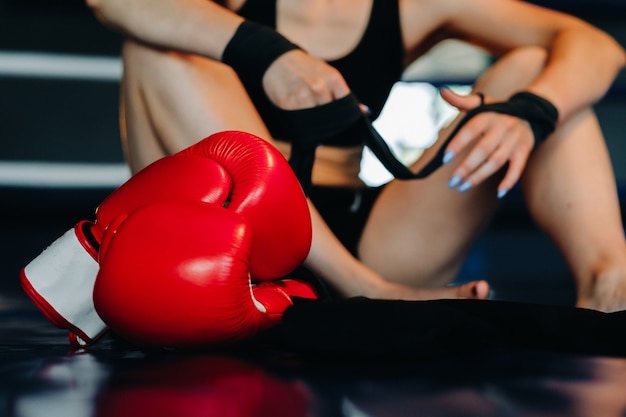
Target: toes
point(478, 290)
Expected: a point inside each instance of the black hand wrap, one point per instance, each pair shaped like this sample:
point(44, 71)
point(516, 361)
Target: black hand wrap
point(341, 123)
point(539, 112)
point(251, 51)
point(254, 48)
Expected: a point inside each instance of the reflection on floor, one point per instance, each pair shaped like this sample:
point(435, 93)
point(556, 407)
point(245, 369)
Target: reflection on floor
point(41, 376)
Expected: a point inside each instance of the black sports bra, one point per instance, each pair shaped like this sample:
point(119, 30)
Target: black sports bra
point(370, 69)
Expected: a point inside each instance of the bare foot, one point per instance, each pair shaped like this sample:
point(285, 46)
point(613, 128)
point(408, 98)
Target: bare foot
point(478, 290)
point(608, 293)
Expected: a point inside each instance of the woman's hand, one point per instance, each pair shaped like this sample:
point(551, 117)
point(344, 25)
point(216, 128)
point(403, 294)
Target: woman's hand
point(495, 139)
point(296, 80)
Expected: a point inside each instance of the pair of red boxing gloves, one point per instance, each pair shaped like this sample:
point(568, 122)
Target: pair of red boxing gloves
point(191, 251)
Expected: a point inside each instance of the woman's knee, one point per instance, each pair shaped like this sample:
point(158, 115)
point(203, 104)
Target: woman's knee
point(184, 97)
point(144, 65)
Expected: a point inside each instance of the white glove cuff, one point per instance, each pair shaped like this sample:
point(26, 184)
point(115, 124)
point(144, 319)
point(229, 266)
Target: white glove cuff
point(60, 282)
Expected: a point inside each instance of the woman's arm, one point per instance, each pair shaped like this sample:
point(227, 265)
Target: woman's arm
point(198, 27)
point(581, 64)
point(583, 61)
point(294, 80)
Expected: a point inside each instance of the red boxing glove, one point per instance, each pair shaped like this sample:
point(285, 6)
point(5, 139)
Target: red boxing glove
point(60, 280)
point(246, 173)
point(267, 193)
point(176, 274)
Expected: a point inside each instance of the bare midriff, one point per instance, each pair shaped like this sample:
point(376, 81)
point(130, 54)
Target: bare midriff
point(333, 167)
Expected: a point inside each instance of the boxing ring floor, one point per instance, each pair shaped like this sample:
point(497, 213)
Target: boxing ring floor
point(41, 376)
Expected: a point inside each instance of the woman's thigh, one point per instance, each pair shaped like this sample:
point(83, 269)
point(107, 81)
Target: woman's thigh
point(420, 231)
point(171, 100)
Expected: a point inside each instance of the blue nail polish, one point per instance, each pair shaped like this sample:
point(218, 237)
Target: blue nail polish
point(502, 193)
point(465, 186)
point(454, 181)
point(448, 156)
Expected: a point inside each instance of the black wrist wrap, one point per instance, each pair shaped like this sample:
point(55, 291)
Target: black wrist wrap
point(323, 125)
point(539, 112)
point(341, 123)
point(251, 51)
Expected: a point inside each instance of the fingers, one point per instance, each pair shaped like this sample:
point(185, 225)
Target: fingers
point(321, 86)
point(297, 80)
point(463, 103)
point(494, 140)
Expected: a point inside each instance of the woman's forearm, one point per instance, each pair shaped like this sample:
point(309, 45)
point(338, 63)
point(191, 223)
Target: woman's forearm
point(581, 67)
point(199, 27)
point(582, 60)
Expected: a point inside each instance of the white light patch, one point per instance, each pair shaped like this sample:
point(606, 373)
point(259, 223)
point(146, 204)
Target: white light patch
point(47, 65)
point(68, 175)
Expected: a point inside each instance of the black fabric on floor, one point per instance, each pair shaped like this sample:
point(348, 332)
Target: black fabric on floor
point(398, 330)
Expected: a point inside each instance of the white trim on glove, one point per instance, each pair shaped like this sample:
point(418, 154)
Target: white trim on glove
point(60, 282)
